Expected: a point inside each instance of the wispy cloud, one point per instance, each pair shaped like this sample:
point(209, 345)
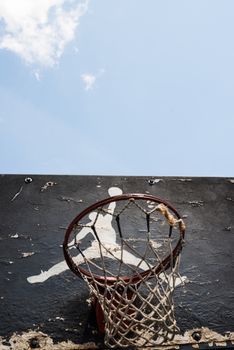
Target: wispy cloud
point(37, 75)
point(89, 80)
point(38, 31)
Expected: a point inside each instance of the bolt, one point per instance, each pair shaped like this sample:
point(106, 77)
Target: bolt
point(28, 180)
point(196, 336)
point(34, 343)
point(151, 182)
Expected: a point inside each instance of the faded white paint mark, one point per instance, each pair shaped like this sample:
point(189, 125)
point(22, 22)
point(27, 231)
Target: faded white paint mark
point(60, 318)
point(196, 203)
point(115, 191)
point(155, 245)
point(26, 255)
point(232, 181)
point(17, 194)
point(185, 180)
point(15, 236)
point(69, 199)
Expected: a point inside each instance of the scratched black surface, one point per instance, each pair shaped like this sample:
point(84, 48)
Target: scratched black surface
point(35, 222)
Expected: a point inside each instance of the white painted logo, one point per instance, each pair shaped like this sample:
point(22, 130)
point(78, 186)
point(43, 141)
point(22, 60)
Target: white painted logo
point(107, 236)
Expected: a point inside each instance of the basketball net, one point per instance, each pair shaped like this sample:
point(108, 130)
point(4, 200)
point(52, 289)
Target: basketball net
point(133, 302)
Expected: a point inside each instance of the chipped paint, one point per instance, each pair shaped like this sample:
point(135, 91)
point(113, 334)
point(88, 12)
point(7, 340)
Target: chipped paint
point(19, 341)
point(198, 203)
point(184, 216)
point(48, 184)
point(69, 199)
point(27, 254)
point(185, 180)
point(154, 181)
point(17, 194)
point(207, 336)
point(15, 236)
point(43, 341)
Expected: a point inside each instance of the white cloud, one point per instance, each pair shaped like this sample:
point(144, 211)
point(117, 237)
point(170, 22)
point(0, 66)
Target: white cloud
point(89, 80)
point(38, 30)
point(37, 75)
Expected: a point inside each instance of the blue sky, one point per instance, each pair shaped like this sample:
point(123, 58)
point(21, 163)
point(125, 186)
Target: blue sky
point(117, 87)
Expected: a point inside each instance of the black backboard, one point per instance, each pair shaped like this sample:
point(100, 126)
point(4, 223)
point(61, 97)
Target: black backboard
point(35, 212)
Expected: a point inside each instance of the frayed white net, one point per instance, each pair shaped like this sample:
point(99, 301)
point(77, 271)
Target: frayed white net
point(126, 254)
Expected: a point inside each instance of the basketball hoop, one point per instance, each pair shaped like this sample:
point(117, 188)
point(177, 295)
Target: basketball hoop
point(127, 249)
